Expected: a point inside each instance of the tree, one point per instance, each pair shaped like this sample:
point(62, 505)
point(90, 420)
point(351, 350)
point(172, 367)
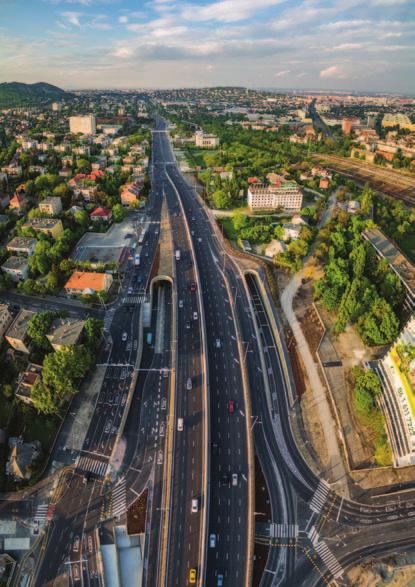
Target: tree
point(118, 213)
point(366, 202)
point(221, 199)
point(83, 166)
point(93, 332)
point(379, 325)
point(239, 220)
point(44, 399)
point(38, 327)
point(367, 388)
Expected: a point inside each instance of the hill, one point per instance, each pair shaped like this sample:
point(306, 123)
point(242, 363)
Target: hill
point(19, 94)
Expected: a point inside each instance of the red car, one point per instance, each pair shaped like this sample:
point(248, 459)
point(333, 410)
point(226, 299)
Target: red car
point(192, 287)
point(231, 406)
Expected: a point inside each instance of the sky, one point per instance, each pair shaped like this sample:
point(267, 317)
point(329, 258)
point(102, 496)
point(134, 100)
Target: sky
point(306, 44)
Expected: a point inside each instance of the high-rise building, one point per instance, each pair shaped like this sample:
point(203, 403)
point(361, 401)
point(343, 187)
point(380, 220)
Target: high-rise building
point(83, 124)
point(347, 125)
point(286, 195)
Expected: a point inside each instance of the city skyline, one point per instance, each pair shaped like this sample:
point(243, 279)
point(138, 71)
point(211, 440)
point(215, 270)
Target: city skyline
point(330, 45)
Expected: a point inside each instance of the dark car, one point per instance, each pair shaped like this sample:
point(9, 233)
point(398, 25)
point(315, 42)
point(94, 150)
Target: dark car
point(192, 287)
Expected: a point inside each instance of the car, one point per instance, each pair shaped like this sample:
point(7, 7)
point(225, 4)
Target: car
point(189, 384)
point(192, 576)
point(188, 324)
point(212, 540)
point(130, 290)
point(75, 547)
point(192, 287)
point(224, 479)
point(231, 406)
point(219, 580)
point(192, 232)
point(195, 505)
point(234, 479)
point(199, 239)
point(217, 343)
point(180, 303)
point(124, 336)
point(195, 316)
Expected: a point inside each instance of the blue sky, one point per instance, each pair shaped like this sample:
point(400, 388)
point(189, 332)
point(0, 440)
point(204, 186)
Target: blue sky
point(328, 44)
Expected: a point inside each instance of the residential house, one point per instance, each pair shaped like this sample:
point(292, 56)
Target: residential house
point(130, 193)
point(18, 203)
point(87, 283)
point(65, 332)
point(50, 226)
point(291, 231)
point(51, 206)
point(275, 247)
point(5, 319)
point(16, 267)
point(26, 381)
point(16, 334)
point(21, 457)
point(101, 214)
point(22, 245)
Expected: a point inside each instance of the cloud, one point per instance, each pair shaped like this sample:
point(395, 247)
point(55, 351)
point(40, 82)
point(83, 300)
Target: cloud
point(123, 52)
point(332, 71)
point(282, 72)
point(72, 17)
point(347, 46)
point(123, 19)
point(226, 10)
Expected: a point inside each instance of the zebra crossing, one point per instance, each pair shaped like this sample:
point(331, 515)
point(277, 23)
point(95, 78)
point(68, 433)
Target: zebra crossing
point(283, 530)
point(41, 513)
point(91, 465)
point(139, 299)
point(119, 499)
point(320, 497)
point(329, 559)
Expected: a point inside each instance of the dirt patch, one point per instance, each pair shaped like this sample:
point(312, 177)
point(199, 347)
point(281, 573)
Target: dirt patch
point(296, 366)
point(395, 572)
point(136, 515)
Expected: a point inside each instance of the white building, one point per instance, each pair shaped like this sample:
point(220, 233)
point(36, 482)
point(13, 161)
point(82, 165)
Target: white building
point(206, 141)
point(397, 374)
point(56, 106)
point(83, 124)
point(287, 196)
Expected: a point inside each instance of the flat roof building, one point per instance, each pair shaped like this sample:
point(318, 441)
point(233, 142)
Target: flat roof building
point(50, 226)
point(85, 125)
point(51, 206)
point(206, 141)
point(22, 245)
point(386, 249)
point(5, 319)
point(16, 267)
point(287, 196)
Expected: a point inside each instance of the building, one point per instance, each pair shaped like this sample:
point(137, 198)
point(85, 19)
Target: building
point(396, 371)
point(287, 196)
point(87, 283)
point(386, 249)
point(16, 335)
point(22, 454)
point(65, 332)
point(18, 203)
point(22, 245)
point(401, 120)
point(56, 106)
point(51, 206)
point(275, 247)
point(50, 226)
point(101, 215)
point(26, 381)
point(16, 267)
point(347, 125)
point(206, 141)
point(130, 194)
point(5, 319)
point(85, 125)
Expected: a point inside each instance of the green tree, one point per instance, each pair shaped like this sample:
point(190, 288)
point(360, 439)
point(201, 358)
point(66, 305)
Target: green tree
point(239, 220)
point(44, 399)
point(366, 202)
point(221, 199)
point(379, 325)
point(37, 329)
point(118, 213)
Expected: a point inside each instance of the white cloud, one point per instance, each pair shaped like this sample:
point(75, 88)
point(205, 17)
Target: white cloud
point(72, 17)
point(332, 71)
point(226, 10)
point(123, 52)
point(347, 46)
point(282, 72)
point(123, 19)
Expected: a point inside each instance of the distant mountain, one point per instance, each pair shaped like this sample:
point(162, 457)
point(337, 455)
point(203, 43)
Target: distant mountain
point(19, 94)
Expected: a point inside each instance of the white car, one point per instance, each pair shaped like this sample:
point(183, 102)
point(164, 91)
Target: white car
point(195, 506)
point(217, 343)
point(212, 540)
point(124, 336)
point(195, 316)
point(180, 303)
point(234, 479)
point(189, 384)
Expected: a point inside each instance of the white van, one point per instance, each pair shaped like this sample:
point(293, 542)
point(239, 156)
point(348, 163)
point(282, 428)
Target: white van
point(195, 506)
point(234, 479)
point(180, 424)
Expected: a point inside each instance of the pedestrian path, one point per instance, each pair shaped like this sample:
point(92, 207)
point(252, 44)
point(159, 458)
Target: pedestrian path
point(320, 497)
point(91, 465)
point(329, 559)
point(119, 499)
point(41, 513)
point(283, 530)
point(134, 299)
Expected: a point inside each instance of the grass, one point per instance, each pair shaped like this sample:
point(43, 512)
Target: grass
point(230, 232)
point(407, 244)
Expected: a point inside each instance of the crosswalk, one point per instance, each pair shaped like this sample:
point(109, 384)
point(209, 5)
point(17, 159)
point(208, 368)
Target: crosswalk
point(283, 530)
point(134, 299)
point(119, 499)
point(320, 497)
point(41, 513)
point(329, 559)
point(91, 465)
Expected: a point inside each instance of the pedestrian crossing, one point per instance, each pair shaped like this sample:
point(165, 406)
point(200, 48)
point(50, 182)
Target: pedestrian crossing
point(283, 530)
point(91, 465)
point(41, 513)
point(320, 497)
point(329, 559)
point(134, 299)
point(119, 499)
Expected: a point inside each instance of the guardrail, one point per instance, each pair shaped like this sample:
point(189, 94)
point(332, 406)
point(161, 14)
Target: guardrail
point(205, 385)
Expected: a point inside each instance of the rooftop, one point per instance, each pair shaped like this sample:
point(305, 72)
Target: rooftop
point(83, 280)
point(15, 263)
point(21, 242)
point(65, 331)
point(19, 325)
point(42, 222)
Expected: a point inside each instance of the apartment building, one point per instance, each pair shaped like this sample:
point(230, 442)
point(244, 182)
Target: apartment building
point(16, 335)
point(50, 226)
point(16, 267)
point(5, 319)
point(22, 245)
point(51, 206)
point(287, 196)
point(206, 141)
point(83, 124)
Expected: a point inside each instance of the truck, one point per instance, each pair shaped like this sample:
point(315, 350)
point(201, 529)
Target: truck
point(177, 254)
